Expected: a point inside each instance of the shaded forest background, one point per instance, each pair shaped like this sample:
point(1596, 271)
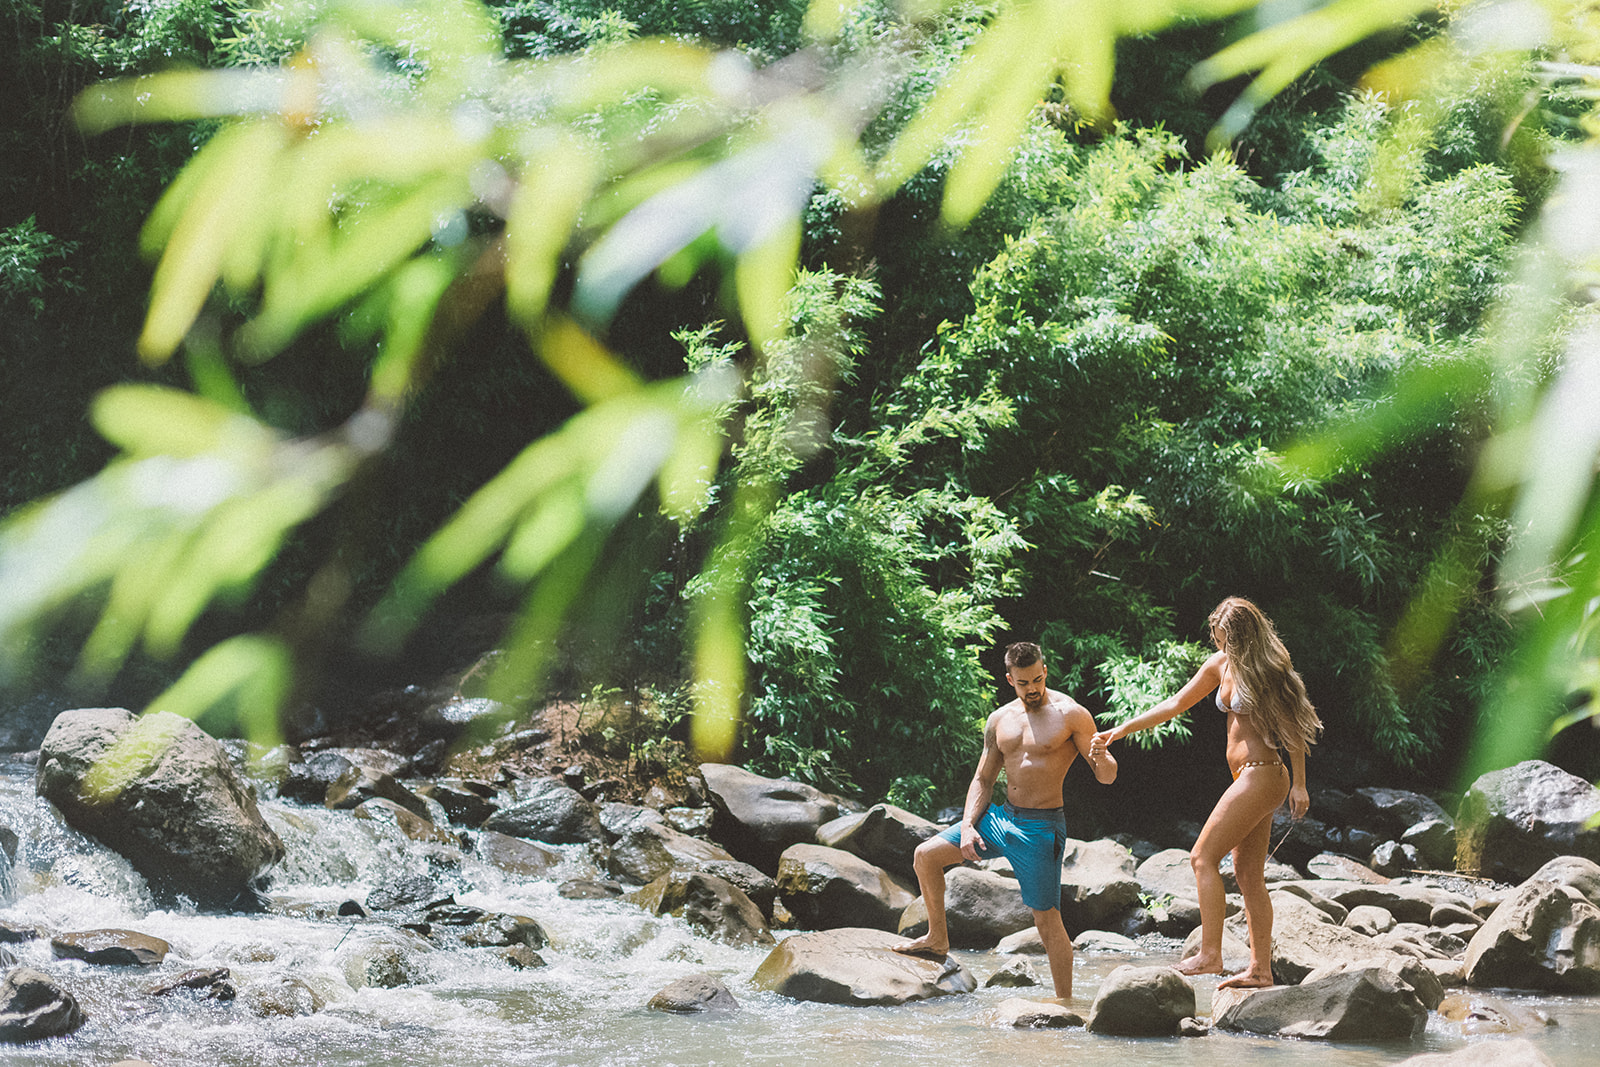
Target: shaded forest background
point(1063, 422)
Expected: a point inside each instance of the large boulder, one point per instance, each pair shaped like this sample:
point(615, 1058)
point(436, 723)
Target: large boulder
point(883, 835)
point(33, 1007)
point(758, 818)
point(648, 850)
point(1098, 885)
point(824, 888)
point(1141, 1002)
point(1304, 939)
point(857, 967)
point(715, 907)
point(1542, 938)
point(1370, 1004)
point(981, 908)
point(550, 811)
point(162, 792)
point(1513, 821)
point(1391, 812)
point(1574, 872)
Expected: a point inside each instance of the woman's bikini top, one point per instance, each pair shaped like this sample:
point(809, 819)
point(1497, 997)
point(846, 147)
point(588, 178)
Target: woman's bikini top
point(1238, 708)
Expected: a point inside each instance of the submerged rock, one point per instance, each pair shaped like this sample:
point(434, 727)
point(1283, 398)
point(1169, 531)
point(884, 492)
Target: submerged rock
point(126, 948)
point(1020, 1013)
point(715, 907)
point(33, 1007)
point(693, 994)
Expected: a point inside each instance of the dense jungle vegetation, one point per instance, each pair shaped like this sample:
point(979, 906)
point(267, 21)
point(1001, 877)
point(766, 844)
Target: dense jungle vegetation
point(1064, 419)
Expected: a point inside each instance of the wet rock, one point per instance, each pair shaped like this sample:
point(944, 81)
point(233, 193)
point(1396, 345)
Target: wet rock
point(122, 948)
point(713, 906)
point(588, 889)
point(618, 819)
point(1513, 821)
point(1104, 941)
point(516, 856)
point(452, 718)
point(384, 959)
point(1391, 811)
point(1413, 972)
point(856, 966)
point(1018, 1013)
point(468, 802)
point(884, 835)
point(501, 930)
point(12, 933)
point(695, 822)
point(757, 818)
point(1017, 974)
point(414, 826)
point(161, 792)
point(307, 781)
point(827, 887)
point(213, 983)
point(359, 784)
point(397, 889)
point(551, 812)
point(1370, 1004)
point(1022, 943)
point(1539, 939)
point(1141, 1002)
point(1296, 841)
point(1192, 1027)
point(762, 890)
point(523, 958)
point(650, 850)
point(693, 994)
point(1515, 1052)
point(1478, 1013)
point(981, 907)
point(284, 995)
point(33, 1007)
point(1304, 940)
point(1330, 866)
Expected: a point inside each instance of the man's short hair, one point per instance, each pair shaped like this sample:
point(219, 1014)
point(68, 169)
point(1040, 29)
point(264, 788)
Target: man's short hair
point(1022, 654)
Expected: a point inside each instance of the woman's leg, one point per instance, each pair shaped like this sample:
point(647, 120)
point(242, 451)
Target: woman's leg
point(1242, 809)
point(1250, 868)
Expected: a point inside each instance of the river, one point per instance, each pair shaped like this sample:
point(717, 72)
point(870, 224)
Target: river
point(468, 1008)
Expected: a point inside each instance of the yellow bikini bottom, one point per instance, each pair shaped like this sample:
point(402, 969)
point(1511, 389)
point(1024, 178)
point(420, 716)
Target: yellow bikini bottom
point(1256, 763)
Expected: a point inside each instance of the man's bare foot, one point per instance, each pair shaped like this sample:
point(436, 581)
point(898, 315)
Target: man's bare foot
point(922, 947)
point(1198, 964)
point(1246, 979)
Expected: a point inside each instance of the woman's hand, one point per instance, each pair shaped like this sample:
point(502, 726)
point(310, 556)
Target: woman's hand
point(1299, 801)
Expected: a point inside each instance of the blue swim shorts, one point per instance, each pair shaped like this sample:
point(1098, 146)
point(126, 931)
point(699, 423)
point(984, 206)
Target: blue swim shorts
point(1033, 839)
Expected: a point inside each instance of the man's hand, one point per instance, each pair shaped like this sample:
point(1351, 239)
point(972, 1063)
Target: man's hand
point(1100, 745)
point(971, 842)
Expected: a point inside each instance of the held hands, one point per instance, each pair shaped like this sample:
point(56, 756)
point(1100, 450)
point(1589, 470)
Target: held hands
point(1100, 745)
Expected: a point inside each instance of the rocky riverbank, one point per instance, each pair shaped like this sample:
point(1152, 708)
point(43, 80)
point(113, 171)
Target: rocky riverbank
point(1366, 947)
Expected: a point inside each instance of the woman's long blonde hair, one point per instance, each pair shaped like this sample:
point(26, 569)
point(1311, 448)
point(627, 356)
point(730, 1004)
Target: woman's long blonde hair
point(1266, 685)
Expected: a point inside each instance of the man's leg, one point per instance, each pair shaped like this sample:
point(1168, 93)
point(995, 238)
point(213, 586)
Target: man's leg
point(929, 861)
point(1057, 948)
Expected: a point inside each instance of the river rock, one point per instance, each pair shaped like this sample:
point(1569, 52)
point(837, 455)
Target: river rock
point(1394, 860)
point(1514, 1052)
point(981, 908)
point(712, 905)
point(883, 835)
point(828, 887)
point(647, 851)
point(1391, 812)
point(1335, 911)
point(307, 780)
point(1167, 873)
point(762, 890)
point(33, 1007)
point(1017, 974)
point(858, 967)
point(1435, 842)
point(1296, 841)
point(497, 929)
point(1408, 902)
point(516, 856)
point(758, 818)
point(549, 811)
point(160, 791)
point(383, 958)
point(408, 822)
point(1574, 872)
point(1369, 919)
point(126, 948)
point(1018, 1013)
point(1367, 1004)
point(1539, 939)
point(1304, 940)
point(213, 983)
point(1141, 1002)
point(1478, 1013)
point(466, 801)
point(693, 994)
point(1331, 866)
point(1513, 821)
point(283, 995)
point(1098, 884)
point(1413, 972)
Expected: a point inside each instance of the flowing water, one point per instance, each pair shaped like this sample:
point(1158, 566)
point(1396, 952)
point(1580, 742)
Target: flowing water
point(467, 1007)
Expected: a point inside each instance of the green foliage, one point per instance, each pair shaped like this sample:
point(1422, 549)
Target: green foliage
point(26, 265)
point(1135, 683)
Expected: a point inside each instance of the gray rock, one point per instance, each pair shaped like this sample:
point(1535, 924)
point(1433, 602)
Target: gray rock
point(713, 906)
point(1539, 939)
point(856, 966)
point(516, 856)
point(408, 822)
point(1392, 859)
point(467, 802)
point(694, 994)
point(1478, 1014)
point(1515, 1052)
point(1141, 1002)
point(383, 958)
point(883, 835)
point(1413, 972)
point(33, 1007)
point(1017, 974)
point(1573, 871)
point(981, 907)
point(120, 948)
point(308, 780)
point(1391, 811)
point(551, 812)
point(762, 890)
point(1104, 941)
point(1167, 873)
point(160, 791)
point(1435, 842)
point(1018, 1013)
point(758, 818)
point(1331, 866)
point(1098, 884)
point(646, 851)
point(1369, 919)
point(1513, 821)
point(1369, 1004)
point(824, 888)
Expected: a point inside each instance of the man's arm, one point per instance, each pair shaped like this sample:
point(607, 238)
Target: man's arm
point(980, 790)
point(1101, 762)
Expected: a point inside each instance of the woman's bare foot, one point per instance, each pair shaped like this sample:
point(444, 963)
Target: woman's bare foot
point(1199, 964)
point(1246, 979)
point(922, 947)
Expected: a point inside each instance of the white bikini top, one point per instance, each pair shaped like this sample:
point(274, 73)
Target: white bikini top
point(1238, 708)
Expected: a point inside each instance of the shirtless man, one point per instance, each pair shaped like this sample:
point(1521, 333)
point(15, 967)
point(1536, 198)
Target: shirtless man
point(1034, 738)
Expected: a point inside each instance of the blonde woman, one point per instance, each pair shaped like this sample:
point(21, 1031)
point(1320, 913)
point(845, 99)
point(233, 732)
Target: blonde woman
point(1270, 720)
